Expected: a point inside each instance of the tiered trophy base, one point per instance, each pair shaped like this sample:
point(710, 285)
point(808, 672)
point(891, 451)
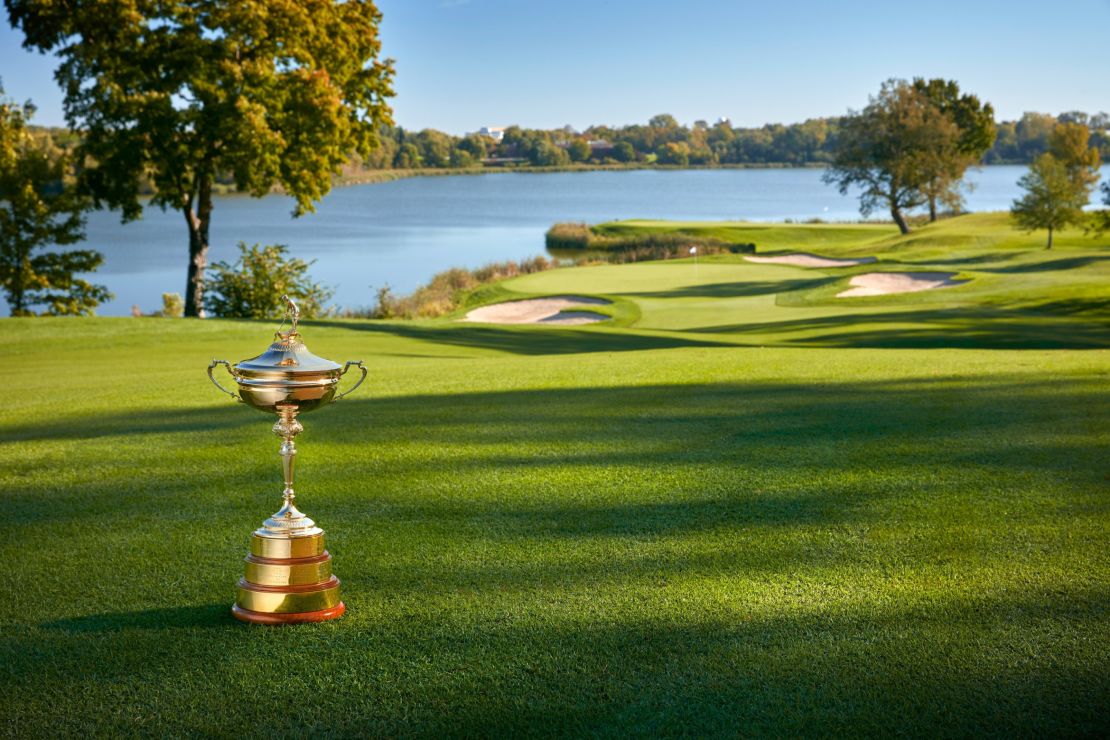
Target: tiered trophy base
point(288, 580)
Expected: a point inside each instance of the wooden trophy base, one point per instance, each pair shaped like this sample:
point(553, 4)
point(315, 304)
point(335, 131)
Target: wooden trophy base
point(246, 615)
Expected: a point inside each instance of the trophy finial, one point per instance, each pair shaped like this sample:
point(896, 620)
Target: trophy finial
point(292, 312)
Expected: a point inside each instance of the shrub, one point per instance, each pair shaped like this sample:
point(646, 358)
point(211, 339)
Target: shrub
point(570, 236)
point(252, 287)
point(444, 293)
point(386, 306)
point(618, 249)
point(173, 306)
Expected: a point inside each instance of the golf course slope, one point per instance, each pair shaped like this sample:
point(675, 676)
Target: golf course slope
point(742, 506)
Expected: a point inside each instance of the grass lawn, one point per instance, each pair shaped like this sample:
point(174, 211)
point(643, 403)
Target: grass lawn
point(744, 507)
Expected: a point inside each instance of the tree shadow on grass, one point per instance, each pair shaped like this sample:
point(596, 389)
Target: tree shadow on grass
point(1077, 306)
point(914, 666)
point(1064, 263)
point(654, 560)
point(978, 259)
point(1080, 323)
point(732, 428)
point(527, 340)
point(1053, 326)
point(211, 420)
point(740, 289)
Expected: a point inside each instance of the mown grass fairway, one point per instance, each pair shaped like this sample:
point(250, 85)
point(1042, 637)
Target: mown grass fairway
point(747, 508)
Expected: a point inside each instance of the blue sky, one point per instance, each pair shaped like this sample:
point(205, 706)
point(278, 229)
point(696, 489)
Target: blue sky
point(462, 64)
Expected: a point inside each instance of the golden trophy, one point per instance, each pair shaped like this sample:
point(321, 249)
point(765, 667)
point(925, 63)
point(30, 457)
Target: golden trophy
point(288, 575)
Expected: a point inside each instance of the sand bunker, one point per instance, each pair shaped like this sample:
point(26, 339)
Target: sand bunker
point(810, 260)
point(540, 311)
point(885, 283)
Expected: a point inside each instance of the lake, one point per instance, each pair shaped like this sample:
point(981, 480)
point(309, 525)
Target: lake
point(402, 232)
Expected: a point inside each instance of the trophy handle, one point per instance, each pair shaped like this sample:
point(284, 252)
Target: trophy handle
point(216, 383)
point(360, 366)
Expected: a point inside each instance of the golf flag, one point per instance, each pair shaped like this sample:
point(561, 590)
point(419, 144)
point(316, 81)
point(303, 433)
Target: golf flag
point(693, 250)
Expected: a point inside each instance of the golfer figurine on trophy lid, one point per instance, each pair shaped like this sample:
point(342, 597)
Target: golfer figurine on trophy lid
point(288, 575)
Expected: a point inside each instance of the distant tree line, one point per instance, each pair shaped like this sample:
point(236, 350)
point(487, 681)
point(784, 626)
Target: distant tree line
point(663, 140)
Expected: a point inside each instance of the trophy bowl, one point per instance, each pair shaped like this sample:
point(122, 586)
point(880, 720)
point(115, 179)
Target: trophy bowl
point(288, 576)
point(286, 376)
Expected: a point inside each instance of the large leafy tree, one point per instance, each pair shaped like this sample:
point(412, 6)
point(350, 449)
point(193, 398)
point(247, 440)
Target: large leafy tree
point(274, 92)
point(40, 208)
point(888, 150)
point(976, 134)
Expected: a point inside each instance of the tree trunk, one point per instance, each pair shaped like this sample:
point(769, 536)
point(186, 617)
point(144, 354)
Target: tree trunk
point(896, 214)
point(198, 248)
point(932, 208)
point(1049, 245)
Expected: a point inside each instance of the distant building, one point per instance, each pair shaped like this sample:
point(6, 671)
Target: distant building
point(600, 148)
point(497, 133)
point(725, 121)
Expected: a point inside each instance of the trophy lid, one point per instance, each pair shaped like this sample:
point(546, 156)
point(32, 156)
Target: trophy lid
point(287, 357)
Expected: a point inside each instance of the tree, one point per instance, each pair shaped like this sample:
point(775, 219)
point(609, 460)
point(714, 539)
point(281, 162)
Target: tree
point(475, 145)
point(40, 208)
point(543, 153)
point(180, 91)
point(977, 131)
point(1052, 200)
point(408, 157)
point(435, 148)
point(579, 150)
point(1069, 144)
point(252, 287)
point(623, 152)
point(673, 153)
point(1032, 133)
point(885, 150)
point(661, 129)
point(663, 121)
point(461, 159)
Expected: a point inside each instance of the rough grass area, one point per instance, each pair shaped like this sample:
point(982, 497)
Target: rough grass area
point(746, 508)
point(571, 239)
point(448, 290)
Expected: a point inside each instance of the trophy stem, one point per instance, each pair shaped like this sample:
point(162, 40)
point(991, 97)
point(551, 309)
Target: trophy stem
point(288, 521)
point(287, 427)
